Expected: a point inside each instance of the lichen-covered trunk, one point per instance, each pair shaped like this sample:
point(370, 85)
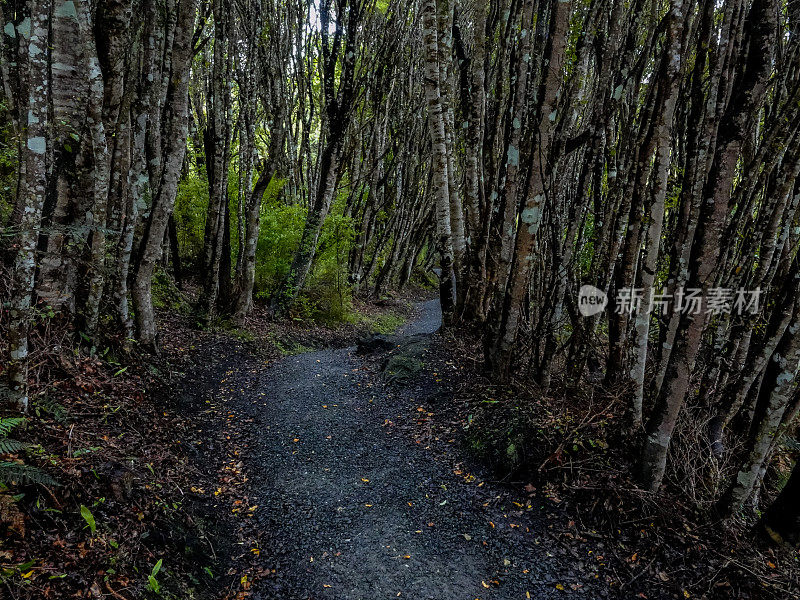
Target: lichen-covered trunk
point(101, 172)
point(508, 320)
point(777, 390)
point(164, 199)
point(663, 146)
point(440, 188)
point(30, 201)
point(740, 117)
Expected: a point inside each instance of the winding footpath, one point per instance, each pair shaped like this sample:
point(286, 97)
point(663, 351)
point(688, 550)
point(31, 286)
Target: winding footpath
point(353, 508)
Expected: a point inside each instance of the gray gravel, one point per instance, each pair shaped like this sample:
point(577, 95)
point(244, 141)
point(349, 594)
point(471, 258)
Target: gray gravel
point(353, 508)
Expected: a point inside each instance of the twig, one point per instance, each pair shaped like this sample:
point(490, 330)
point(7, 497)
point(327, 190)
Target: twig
point(113, 593)
point(639, 574)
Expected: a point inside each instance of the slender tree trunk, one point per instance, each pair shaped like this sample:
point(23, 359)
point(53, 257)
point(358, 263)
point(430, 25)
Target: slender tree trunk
point(440, 190)
point(30, 201)
point(777, 390)
point(164, 200)
point(663, 142)
point(101, 175)
point(509, 319)
point(706, 248)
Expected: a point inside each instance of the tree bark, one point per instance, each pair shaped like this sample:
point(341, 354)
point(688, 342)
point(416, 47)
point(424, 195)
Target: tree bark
point(440, 190)
point(164, 199)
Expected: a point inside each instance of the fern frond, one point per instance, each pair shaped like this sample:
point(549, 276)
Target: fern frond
point(8, 446)
point(46, 405)
point(9, 423)
point(791, 444)
point(17, 473)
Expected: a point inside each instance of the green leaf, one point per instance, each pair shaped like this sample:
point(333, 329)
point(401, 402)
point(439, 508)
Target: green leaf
point(89, 518)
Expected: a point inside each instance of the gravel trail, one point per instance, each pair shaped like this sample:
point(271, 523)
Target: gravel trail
point(354, 508)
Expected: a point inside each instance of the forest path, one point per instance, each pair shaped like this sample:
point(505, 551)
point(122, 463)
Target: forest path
point(352, 507)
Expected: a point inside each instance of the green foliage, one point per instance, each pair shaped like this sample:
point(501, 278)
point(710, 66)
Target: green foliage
point(9, 446)
point(279, 235)
point(15, 472)
point(386, 323)
point(8, 164)
point(45, 405)
point(9, 423)
point(191, 205)
point(11, 472)
point(152, 582)
point(328, 296)
point(89, 518)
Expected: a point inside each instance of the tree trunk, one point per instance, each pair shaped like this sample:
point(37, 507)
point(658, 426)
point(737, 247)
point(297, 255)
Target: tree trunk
point(174, 150)
point(441, 191)
point(506, 328)
point(30, 202)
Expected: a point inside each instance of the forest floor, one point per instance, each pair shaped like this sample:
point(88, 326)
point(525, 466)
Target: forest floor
point(341, 492)
point(352, 474)
point(291, 461)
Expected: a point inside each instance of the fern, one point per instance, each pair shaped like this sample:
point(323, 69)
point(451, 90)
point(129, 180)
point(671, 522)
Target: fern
point(48, 406)
point(9, 423)
point(8, 446)
point(11, 472)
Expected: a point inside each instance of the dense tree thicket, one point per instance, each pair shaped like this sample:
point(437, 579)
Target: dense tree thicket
point(301, 152)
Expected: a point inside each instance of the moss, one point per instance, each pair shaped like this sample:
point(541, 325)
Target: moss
point(289, 347)
point(167, 295)
point(407, 361)
point(400, 368)
point(386, 323)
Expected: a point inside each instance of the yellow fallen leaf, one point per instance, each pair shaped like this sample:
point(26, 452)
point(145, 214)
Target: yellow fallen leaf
point(559, 587)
